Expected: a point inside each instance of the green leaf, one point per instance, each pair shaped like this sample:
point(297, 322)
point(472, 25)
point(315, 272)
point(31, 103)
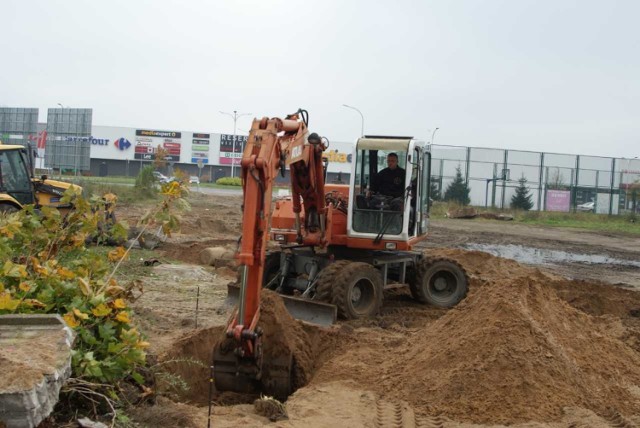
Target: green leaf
point(106, 330)
point(138, 377)
point(114, 348)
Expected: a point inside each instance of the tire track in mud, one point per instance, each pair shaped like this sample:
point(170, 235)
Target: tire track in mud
point(401, 415)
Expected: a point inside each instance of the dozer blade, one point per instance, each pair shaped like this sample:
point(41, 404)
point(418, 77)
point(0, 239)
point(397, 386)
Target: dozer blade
point(302, 309)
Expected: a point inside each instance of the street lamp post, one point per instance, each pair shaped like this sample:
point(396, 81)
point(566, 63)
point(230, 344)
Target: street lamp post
point(433, 134)
point(235, 117)
point(361, 117)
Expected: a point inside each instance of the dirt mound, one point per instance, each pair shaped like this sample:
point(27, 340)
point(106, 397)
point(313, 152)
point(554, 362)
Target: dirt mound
point(221, 221)
point(190, 357)
point(513, 351)
point(189, 251)
point(483, 265)
point(189, 361)
point(282, 333)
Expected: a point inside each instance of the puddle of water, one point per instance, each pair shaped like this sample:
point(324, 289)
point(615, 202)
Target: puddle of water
point(539, 256)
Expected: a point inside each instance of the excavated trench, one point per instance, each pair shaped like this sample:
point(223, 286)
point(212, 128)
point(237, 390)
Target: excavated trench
point(523, 346)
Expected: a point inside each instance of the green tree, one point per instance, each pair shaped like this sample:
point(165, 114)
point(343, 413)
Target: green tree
point(522, 198)
point(434, 190)
point(145, 182)
point(458, 190)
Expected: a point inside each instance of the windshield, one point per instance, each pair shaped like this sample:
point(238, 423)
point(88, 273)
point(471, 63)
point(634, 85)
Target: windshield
point(14, 176)
point(380, 191)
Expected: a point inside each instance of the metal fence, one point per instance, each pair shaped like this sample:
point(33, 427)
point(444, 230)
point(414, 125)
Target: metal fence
point(557, 182)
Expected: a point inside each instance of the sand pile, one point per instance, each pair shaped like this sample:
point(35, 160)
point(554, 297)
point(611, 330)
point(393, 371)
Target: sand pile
point(514, 351)
point(284, 334)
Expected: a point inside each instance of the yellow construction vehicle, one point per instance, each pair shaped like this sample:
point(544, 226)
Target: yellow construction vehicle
point(19, 186)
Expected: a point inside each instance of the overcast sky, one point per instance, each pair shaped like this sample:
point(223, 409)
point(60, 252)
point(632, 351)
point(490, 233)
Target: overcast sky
point(556, 75)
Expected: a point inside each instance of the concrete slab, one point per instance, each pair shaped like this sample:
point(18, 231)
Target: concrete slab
point(35, 361)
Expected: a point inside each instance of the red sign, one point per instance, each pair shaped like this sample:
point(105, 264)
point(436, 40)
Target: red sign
point(172, 148)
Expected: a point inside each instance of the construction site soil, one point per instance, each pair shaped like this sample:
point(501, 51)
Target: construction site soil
point(530, 346)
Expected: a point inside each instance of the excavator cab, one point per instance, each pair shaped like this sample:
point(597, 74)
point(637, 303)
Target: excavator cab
point(390, 189)
point(16, 188)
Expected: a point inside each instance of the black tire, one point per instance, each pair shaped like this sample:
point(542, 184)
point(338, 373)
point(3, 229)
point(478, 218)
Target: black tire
point(8, 209)
point(357, 291)
point(326, 280)
point(439, 282)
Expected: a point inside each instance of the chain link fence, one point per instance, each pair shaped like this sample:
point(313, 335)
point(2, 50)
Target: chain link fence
point(556, 182)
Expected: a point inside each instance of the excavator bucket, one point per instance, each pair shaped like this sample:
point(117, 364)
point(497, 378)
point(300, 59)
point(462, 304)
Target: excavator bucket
point(307, 310)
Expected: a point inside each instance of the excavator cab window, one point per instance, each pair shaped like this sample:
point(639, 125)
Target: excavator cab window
point(14, 176)
point(381, 195)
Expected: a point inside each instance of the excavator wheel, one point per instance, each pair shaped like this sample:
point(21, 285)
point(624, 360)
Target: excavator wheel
point(7, 209)
point(357, 290)
point(327, 279)
point(439, 282)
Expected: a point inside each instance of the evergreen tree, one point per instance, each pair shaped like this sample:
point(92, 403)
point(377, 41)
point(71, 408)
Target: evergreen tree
point(434, 190)
point(522, 198)
point(458, 190)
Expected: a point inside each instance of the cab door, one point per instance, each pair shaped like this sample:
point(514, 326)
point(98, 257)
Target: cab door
point(16, 180)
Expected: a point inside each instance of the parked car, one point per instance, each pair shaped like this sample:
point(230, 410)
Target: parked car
point(587, 207)
point(160, 177)
point(194, 180)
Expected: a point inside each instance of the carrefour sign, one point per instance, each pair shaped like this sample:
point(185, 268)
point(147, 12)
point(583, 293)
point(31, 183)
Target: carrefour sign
point(122, 144)
point(93, 140)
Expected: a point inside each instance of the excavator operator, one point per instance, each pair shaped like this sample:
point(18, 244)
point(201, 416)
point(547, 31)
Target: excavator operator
point(390, 181)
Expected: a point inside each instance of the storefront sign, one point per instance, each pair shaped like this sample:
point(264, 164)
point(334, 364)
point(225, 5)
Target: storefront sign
point(92, 140)
point(158, 134)
point(122, 144)
point(200, 148)
point(230, 150)
point(336, 156)
point(148, 140)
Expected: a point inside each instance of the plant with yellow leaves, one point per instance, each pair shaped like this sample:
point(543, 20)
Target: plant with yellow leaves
point(47, 268)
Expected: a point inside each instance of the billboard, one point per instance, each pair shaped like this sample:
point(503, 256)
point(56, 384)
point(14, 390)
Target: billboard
point(230, 150)
point(200, 147)
point(69, 139)
point(147, 142)
point(558, 200)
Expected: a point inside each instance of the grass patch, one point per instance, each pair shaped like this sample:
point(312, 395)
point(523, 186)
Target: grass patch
point(627, 224)
point(588, 221)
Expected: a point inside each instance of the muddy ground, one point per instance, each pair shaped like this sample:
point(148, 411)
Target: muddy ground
point(553, 343)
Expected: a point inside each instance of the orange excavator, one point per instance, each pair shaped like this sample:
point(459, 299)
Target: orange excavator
point(339, 246)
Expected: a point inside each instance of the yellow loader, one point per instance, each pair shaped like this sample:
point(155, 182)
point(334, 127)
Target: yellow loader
point(19, 186)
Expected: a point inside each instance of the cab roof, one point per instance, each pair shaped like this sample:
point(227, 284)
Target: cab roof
point(379, 142)
point(10, 147)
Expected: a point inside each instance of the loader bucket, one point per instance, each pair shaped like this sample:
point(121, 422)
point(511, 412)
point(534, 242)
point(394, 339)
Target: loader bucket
point(313, 312)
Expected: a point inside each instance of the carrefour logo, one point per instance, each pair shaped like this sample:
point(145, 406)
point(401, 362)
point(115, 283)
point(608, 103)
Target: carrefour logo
point(122, 144)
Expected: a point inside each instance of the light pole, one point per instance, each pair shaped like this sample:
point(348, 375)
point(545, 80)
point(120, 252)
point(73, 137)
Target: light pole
point(361, 117)
point(433, 134)
point(235, 117)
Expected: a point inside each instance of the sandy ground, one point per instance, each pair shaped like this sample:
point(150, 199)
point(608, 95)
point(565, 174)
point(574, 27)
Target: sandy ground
point(552, 345)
